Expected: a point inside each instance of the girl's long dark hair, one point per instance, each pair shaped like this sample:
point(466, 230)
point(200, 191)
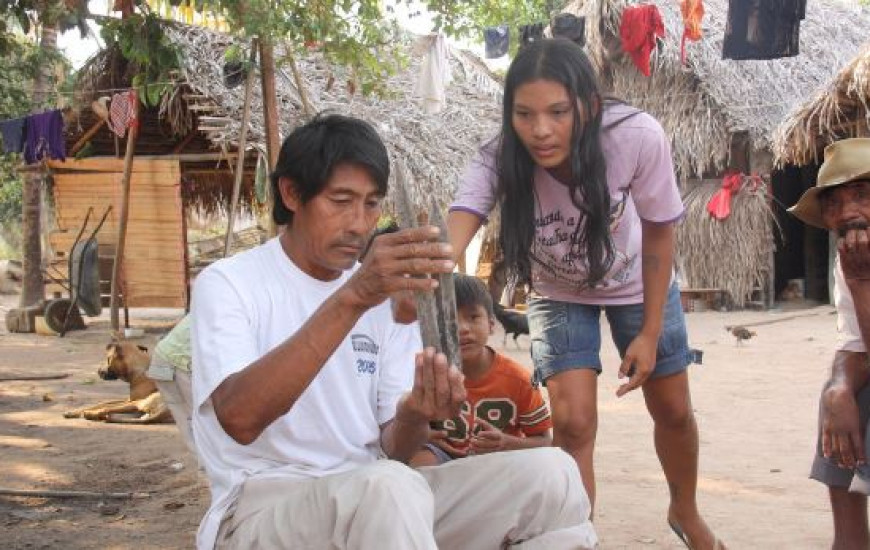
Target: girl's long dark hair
point(565, 63)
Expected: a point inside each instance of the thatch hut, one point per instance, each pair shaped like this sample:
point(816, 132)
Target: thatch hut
point(196, 130)
point(839, 110)
point(721, 116)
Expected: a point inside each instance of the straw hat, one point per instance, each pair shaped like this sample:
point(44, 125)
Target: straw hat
point(845, 161)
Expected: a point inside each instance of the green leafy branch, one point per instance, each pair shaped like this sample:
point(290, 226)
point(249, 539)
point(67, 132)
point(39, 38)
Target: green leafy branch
point(143, 43)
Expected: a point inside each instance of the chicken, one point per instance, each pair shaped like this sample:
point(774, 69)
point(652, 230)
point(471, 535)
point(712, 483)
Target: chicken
point(740, 333)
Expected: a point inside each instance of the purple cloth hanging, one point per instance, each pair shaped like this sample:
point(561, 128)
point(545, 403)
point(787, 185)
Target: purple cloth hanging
point(44, 137)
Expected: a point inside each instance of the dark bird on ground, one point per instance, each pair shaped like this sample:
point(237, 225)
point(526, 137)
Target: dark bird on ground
point(514, 322)
point(740, 333)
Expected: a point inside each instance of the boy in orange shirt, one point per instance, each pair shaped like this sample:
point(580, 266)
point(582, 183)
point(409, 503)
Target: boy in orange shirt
point(503, 412)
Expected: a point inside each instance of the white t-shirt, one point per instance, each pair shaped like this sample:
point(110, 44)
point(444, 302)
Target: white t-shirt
point(848, 332)
point(242, 308)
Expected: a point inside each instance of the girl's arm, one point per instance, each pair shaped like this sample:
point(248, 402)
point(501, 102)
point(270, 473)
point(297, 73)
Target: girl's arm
point(657, 259)
point(461, 227)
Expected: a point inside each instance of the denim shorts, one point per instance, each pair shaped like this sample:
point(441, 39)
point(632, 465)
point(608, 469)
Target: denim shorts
point(567, 336)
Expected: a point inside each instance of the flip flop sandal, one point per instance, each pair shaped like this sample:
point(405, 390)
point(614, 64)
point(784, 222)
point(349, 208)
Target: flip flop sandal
point(675, 527)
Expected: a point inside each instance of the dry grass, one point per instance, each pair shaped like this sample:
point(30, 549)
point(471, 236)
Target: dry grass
point(731, 255)
point(434, 147)
point(702, 104)
point(841, 109)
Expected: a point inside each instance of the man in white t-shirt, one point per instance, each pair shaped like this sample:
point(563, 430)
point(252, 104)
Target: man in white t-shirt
point(302, 380)
point(840, 202)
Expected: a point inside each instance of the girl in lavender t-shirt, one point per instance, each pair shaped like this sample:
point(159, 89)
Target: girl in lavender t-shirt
point(588, 200)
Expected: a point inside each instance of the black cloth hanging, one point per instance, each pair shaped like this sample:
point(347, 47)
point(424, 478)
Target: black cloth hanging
point(763, 29)
point(567, 25)
point(13, 135)
point(531, 33)
point(496, 41)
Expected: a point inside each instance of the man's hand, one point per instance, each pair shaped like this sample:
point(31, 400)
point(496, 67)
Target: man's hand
point(854, 249)
point(404, 306)
point(438, 391)
point(638, 363)
point(842, 439)
point(489, 439)
point(398, 262)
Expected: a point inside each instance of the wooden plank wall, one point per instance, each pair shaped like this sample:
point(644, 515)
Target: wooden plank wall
point(154, 270)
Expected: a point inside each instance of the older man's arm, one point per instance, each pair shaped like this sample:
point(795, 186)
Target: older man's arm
point(247, 402)
point(842, 433)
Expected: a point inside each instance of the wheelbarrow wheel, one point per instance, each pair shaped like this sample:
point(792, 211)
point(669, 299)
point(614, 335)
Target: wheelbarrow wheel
point(55, 316)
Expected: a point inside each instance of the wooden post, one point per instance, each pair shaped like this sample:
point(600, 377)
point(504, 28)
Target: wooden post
point(307, 108)
point(270, 101)
point(122, 222)
point(270, 113)
point(33, 287)
point(240, 161)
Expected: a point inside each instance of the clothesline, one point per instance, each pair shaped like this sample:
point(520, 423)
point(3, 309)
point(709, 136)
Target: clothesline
point(627, 99)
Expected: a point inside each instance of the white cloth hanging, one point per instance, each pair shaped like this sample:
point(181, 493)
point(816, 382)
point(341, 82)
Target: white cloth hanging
point(434, 75)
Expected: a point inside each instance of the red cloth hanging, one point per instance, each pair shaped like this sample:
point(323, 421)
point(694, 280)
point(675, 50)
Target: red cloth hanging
point(640, 27)
point(693, 13)
point(122, 112)
point(719, 205)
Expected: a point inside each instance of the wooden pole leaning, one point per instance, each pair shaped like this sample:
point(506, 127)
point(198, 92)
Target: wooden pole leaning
point(114, 301)
point(240, 161)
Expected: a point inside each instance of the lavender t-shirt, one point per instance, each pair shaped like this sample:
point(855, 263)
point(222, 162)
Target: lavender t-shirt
point(640, 176)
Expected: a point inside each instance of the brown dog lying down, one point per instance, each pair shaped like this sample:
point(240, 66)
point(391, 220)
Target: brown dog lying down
point(128, 362)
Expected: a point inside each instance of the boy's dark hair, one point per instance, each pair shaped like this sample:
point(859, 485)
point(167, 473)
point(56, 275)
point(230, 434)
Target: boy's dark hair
point(312, 151)
point(470, 291)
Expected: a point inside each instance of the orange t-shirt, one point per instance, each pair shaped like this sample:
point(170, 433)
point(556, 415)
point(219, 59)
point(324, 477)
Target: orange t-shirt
point(505, 398)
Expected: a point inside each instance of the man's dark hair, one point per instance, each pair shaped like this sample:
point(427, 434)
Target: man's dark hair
point(470, 291)
point(312, 151)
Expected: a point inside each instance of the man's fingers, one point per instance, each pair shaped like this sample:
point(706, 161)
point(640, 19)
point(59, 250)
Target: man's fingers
point(441, 383)
point(827, 444)
point(419, 366)
point(847, 458)
point(428, 385)
point(458, 395)
point(425, 233)
point(851, 239)
point(858, 445)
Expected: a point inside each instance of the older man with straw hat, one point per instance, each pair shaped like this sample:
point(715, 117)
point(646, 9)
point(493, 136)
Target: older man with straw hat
point(840, 202)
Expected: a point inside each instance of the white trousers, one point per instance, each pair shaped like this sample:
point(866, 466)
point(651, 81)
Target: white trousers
point(178, 397)
point(530, 500)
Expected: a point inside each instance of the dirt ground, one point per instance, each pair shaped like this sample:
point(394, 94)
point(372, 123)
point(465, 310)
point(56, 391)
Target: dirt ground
point(756, 407)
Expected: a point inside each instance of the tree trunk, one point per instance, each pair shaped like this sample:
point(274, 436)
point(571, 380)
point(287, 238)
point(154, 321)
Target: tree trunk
point(270, 115)
point(33, 287)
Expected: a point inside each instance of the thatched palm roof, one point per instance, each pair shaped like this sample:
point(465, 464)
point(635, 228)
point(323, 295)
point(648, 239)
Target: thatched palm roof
point(841, 109)
point(702, 104)
point(435, 147)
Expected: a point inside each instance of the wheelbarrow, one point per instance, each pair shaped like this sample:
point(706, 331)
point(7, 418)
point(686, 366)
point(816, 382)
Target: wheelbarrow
point(62, 314)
